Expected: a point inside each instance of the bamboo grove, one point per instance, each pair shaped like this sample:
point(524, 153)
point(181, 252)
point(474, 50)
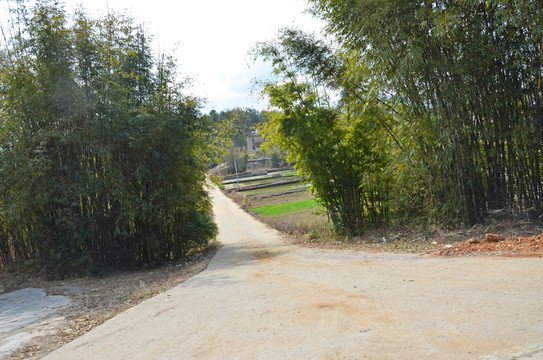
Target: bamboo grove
point(425, 111)
point(99, 148)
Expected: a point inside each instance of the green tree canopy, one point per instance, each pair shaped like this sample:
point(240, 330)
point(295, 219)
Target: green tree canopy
point(429, 110)
point(342, 152)
point(99, 147)
point(468, 76)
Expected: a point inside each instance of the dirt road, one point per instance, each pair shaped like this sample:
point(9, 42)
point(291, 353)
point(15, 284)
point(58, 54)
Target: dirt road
point(263, 299)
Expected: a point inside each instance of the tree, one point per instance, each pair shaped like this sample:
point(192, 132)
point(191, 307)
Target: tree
point(241, 122)
point(100, 150)
point(277, 157)
point(467, 75)
point(337, 146)
point(236, 160)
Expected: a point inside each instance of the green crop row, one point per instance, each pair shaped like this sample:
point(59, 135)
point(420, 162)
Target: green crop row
point(281, 209)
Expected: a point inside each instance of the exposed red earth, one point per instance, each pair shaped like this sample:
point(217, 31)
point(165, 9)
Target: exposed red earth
point(495, 244)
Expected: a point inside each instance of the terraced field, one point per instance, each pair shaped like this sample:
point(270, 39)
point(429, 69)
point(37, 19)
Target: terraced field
point(280, 199)
point(281, 209)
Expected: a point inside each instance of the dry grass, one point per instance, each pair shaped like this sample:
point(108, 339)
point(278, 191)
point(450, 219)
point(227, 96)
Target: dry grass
point(415, 239)
point(258, 201)
point(309, 229)
point(95, 300)
point(236, 197)
point(303, 223)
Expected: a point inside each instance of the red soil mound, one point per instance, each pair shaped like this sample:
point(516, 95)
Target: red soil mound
point(494, 244)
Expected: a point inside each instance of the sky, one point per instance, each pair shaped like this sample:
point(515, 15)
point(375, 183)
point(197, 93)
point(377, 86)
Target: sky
point(211, 39)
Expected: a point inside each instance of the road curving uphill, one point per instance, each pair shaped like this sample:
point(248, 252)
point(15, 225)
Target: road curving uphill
point(261, 298)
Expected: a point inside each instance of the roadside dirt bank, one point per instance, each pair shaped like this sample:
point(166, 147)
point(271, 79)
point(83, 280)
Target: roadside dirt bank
point(496, 244)
point(28, 334)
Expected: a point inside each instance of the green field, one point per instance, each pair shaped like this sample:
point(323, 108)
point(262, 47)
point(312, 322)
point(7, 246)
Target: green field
point(287, 211)
point(286, 208)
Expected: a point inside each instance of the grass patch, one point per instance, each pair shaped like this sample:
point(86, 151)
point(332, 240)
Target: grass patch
point(306, 224)
point(258, 201)
point(287, 208)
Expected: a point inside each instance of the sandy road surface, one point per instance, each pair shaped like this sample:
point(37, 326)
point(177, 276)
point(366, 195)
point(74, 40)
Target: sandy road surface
point(263, 299)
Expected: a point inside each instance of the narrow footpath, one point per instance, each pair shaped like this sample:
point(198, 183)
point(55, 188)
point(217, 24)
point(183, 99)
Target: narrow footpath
point(261, 298)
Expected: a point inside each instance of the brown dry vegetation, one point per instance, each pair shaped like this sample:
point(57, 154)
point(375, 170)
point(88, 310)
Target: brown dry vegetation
point(495, 244)
point(307, 228)
point(311, 228)
point(308, 224)
point(95, 300)
point(519, 239)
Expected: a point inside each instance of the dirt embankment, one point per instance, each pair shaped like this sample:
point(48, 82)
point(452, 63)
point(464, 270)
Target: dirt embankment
point(94, 300)
point(495, 244)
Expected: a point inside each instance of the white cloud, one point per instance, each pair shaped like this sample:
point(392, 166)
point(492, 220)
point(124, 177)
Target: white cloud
point(212, 37)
